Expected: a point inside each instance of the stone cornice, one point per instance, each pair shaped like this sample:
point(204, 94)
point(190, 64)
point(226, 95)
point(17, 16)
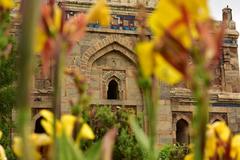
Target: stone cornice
point(185, 95)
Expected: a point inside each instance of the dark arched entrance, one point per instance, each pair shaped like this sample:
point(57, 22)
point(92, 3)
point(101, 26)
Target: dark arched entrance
point(113, 92)
point(38, 127)
point(182, 133)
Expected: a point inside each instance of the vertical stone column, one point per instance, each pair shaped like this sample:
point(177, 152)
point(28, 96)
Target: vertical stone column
point(230, 66)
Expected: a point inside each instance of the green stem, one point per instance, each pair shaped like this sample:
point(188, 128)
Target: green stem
point(25, 63)
point(150, 99)
point(200, 86)
point(58, 76)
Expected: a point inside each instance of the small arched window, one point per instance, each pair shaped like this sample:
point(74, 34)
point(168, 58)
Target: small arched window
point(182, 133)
point(112, 92)
point(38, 126)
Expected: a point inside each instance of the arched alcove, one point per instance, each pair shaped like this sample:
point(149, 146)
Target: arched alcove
point(38, 127)
point(113, 90)
point(182, 132)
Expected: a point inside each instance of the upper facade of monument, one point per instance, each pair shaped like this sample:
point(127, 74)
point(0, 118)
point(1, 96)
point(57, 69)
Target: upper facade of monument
point(127, 3)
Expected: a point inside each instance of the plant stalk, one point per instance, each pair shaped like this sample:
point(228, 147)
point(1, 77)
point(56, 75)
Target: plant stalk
point(151, 99)
point(25, 64)
point(57, 93)
point(200, 85)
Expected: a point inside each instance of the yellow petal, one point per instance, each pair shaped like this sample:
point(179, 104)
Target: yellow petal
point(68, 122)
point(222, 130)
point(197, 10)
point(2, 153)
point(163, 16)
point(166, 72)
point(57, 17)
point(100, 12)
point(7, 4)
point(211, 143)
point(235, 147)
point(48, 127)
point(144, 51)
point(17, 146)
point(41, 139)
point(46, 114)
point(1, 134)
point(85, 132)
point(182, 34)
point(41, 38)
point(54, 23)
point(189, 157)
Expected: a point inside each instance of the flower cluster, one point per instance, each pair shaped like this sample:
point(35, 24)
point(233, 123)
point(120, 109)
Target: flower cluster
point(69, 125)
point(220, 143)
point(180, 30)
point(41, 144)
point(55, 31)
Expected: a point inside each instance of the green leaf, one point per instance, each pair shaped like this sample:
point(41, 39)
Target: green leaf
point(94, 152)
point(68, 150)
point(140, 135)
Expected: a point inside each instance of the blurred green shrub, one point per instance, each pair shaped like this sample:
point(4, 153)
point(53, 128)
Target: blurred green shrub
point(102, 119)
point(173, 152)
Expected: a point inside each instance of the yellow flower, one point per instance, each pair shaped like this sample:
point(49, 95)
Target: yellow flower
point(179, 18)
point(222, 130)
point(189, 157)
point(7, 4)
point(166, 72)
point(36, 141)
point(145, 56)
point(68, 122)
point(53, 20)
point(235, 147)
point(198, 9)
point(65, 126)
point(153, 63)
point(100, 12)
point(48, 121)
point(170, 13)
point(211, 143)
point(2, 153)
point(162, 17)
point(85, 132)
point(41, 38)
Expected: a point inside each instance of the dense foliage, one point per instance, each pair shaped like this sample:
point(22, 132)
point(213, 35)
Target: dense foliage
point(173, 152)
point(7, 98)
point(102, 119)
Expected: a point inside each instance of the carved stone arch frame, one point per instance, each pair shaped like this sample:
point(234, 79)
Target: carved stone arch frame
point(118, 43)
point(215, 117)
point(35, 118)
point(119, 77)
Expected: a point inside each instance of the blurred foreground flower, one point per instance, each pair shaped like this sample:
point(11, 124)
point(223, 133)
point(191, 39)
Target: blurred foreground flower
point(220, 143)
point(42, 144)
point(56, 34)
point(69, 125)
point(99, 13)
point(2, 151)
point(6, 4)
point(180, 29)
point(39, 143)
